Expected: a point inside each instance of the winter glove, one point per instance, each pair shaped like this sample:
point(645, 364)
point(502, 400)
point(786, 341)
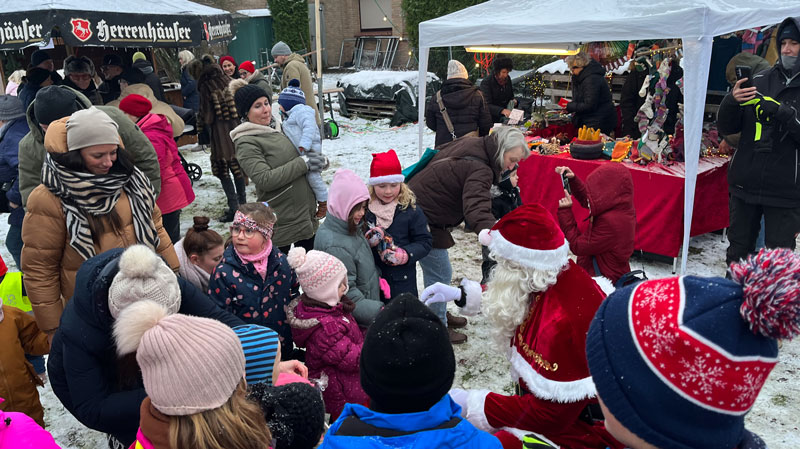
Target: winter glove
point(773, 108)
point(394, 256)
point(387, 292)
point(374, 236)
point(439, 292)
point(460, 396)
point(315, 161)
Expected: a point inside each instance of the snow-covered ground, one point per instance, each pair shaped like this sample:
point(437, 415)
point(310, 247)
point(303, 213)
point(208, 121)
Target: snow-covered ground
point(479, 365)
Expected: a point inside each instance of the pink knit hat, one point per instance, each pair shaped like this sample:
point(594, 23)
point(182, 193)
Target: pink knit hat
point(189, 364)
point(319, 273)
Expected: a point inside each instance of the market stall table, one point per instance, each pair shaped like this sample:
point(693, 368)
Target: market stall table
point(658, 196)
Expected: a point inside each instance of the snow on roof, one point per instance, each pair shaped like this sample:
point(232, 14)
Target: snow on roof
point(148, 7)
point(624, 68)
point(367, 79)
point(559, 66)
point(265, 12)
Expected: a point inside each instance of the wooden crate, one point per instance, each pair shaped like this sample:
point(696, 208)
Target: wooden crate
point(371, 109)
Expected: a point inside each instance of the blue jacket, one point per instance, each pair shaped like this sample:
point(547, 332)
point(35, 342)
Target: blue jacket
point(302, 129)
point(238, 288)
point(409, 230)
point(10, 136)
point(440, 427)
point(100, 390)
point(191, 99)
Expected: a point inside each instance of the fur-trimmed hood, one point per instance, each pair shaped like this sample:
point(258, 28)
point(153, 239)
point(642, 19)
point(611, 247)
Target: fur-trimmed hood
point(251, 129)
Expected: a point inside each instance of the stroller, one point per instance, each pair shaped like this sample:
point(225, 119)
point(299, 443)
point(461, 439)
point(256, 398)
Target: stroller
point(190, 128)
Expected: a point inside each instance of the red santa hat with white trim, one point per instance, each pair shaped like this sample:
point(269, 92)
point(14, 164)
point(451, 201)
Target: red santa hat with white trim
point(530, 236)
point(385, 168)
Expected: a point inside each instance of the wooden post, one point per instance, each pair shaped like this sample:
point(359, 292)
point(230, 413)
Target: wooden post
point(2, 77)
point(320, 100)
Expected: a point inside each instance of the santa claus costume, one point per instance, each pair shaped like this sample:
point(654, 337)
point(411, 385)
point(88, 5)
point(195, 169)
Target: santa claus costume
point(542, 324)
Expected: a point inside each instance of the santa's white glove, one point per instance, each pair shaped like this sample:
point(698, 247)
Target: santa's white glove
point(472, 404)
point(439, 292)
point(460, 397)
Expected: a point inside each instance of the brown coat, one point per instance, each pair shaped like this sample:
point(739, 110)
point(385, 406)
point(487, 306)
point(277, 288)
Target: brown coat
point(50, 263)
point(456, 185)
point(18, 380)
point(295, 68)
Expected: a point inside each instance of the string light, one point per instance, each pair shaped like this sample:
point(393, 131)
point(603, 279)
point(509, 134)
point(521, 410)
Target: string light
point(385, 18)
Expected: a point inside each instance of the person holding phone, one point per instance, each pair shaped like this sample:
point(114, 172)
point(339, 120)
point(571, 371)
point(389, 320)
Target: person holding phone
point(605, 245)
point(763, 173)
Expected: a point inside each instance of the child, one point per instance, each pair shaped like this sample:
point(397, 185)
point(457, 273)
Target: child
point(505, 198)
point(322, 324)
point(199, 252)
point(254, 281)
point(300, 126)
point(18, 431)
point(20, 335)
point(294, 412)
point(392, 211)
point(687, 369)
point(342, 236)
point(193, 372)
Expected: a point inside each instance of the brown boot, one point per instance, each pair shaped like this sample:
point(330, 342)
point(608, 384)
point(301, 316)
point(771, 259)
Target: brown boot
point(322, 209)
point(456, 338)
point(455, 322)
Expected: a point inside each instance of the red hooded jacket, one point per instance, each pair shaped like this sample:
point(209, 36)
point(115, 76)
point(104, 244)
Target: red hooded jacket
point(176, 189)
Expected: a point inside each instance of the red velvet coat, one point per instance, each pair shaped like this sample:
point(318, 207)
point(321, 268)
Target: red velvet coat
point(610, 232)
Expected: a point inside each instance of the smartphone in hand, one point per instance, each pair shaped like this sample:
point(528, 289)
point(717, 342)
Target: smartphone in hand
point(744, 71)
point(565, 182)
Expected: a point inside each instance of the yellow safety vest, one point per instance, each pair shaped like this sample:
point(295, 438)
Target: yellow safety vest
point(11, 292)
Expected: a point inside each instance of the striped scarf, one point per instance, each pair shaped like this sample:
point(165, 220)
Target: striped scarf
point(85, 193)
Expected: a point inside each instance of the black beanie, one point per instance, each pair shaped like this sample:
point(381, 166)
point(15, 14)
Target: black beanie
point(789, 31)
point(38, 57)
point(407, 361)
point(132, 75)
point(294, 413)
point(245, 96)
point(37, 75)
point(59, 102)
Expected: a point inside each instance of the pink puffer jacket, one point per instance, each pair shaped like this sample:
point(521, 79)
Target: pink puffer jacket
point(176, 189)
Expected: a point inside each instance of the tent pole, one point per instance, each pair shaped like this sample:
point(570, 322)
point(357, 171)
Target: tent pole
point(423, 84)
point(318, 40)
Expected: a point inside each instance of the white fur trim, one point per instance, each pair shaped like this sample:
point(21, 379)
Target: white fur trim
point(550, 390)
point(386, 179)
point(605, 284)
point(485, 238)
point(519, 433)
point(546, 260)
point(474, 292)
point(475, 412)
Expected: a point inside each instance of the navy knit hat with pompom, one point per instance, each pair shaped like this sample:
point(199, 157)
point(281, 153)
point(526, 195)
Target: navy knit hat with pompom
point(292, 95)
point(680, 361)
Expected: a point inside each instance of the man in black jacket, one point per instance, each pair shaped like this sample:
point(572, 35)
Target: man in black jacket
point(150, 76)
point(100, 389)
point(763, 173)
point(464, 105)
point(497, 89)
point(111, 69)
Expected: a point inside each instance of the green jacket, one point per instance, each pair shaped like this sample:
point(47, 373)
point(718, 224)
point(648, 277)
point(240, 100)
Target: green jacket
point(295, 68)
point(258, 80)
point(31, 148)
point(270, 160)
point(356, 255)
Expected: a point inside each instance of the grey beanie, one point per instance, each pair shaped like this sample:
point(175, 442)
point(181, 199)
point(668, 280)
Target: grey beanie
point(91, 127)
point(58, 101)
point(10, 108)
point(281, 49)
point(143, 275)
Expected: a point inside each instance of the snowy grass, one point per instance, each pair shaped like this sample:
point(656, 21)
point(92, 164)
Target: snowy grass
point(479, 365)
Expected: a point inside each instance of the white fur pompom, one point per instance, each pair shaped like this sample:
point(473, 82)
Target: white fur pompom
point(134, 321)
point(605, 284)
point(485, 238)
point(236, 84)
point(296, 257)
point(138, 261)
point(474, 292)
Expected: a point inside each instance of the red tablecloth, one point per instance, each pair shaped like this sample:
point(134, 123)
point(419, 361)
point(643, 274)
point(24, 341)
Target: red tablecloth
point(658, 197)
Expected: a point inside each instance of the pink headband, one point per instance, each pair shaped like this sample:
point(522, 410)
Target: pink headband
point(246, 222)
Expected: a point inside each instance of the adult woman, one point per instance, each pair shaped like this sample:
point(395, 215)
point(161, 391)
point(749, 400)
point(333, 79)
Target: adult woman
point(591, 98)
point(228, 65)
point(188, 83)
point(100, 389)
point(272, 162)
point(79, 74)
point(218, 114)
point(454, 187)
point(91, 199)
point(465, 107)
point(248, 72)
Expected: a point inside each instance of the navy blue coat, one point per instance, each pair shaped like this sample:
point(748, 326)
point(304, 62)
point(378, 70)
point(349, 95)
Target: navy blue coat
point(191, 99)
point(410, 231)
point(238, 288)
point(83, 366)
point(13, 132)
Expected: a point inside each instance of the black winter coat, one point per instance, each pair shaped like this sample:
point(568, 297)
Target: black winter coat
point(90, 92)
point(766, 178)
point(110, 89)
point(466, 108)
point(506, 198)
point(151, 78)
point(496, 96)
point(83, 364)
point(409, 230)
point(591, 99)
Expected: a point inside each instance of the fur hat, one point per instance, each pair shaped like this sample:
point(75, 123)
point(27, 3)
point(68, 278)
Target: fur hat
point(292, 95)
point(135, 105)
point(699, 348)
point(385, 168)
point(143, 275)
point(37, 75)
point(319, 273)
point(189, 364)
point(281, 49)
point(456, 69)
point(530, 236)
point(76, 64)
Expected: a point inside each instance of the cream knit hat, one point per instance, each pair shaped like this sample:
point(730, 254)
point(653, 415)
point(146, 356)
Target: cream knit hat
point(143, 275)
point(91, 127)
point(319, 273)
point(456, 69)
point(189, 364)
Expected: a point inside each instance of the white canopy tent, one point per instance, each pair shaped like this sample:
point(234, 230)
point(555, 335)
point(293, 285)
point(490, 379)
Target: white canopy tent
point(542, 22)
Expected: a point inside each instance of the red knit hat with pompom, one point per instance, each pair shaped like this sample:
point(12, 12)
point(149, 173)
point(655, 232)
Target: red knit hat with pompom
point(247, 65)
point(530, 236)
point(385, 168)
